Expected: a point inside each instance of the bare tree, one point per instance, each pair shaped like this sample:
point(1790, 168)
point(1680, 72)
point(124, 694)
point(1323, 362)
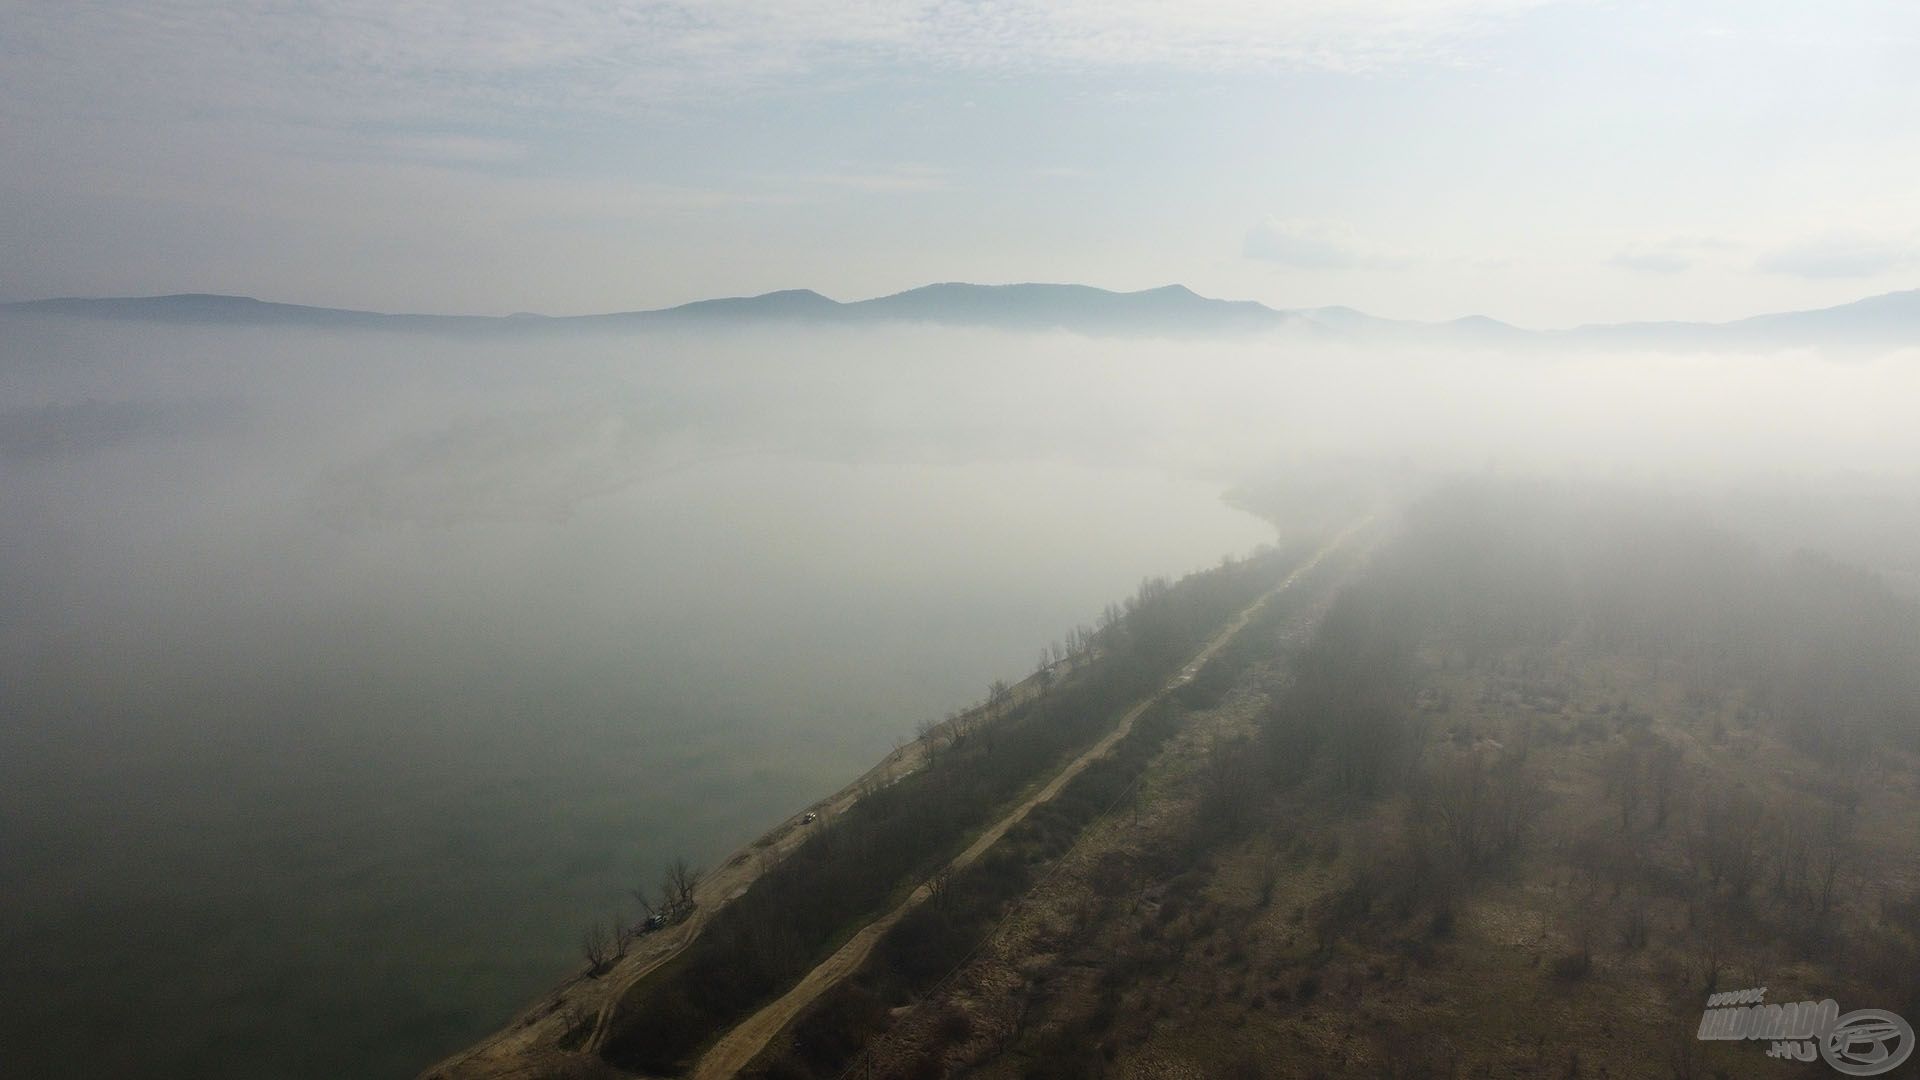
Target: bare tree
point(596, 947)
point(926, 731)
point(940, 887)
point(1079, 645)
point(1622, 773)
point(1634, 924)
point(1711, 945)
point(1481, 811)
point(1576, 922)
point(961, 725)
point(1808, 853)
point(681, 879)
point(1827, 859)
point(934, 735)
point(1229, 789)
point(999, 696)
point(1726, 842)
point(1663, 778)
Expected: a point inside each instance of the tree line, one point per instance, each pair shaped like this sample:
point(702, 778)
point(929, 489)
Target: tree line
point(856, 864)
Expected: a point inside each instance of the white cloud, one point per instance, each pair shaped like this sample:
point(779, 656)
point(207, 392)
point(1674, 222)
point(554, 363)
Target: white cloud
point(372, 60)
point(1653, 261)
point(1317, 245)
point(876, 180)
point(1671, 255)
point(1844, 255)
point(455, 149)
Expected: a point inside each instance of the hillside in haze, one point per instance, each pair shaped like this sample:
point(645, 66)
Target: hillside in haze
point(1474, 789)
point(1889, 320)
point(1543, 779)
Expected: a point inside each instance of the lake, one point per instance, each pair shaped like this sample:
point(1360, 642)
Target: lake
point(346, 678)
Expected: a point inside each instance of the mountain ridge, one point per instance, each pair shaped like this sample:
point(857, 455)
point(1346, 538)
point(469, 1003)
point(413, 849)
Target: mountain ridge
point(1171, 310)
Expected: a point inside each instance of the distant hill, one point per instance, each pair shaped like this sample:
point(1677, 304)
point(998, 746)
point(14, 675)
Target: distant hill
point(1895, 312)
point(787, 305)
point(1169, 311)
point(1172, 310)
point(1473, 329)
point(1889, 319)
point(215, 309)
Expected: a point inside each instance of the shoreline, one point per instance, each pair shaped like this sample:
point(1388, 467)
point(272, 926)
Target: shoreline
point(534, 1038)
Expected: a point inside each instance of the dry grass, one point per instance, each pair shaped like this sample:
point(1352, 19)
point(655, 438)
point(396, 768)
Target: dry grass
point(1255, 991)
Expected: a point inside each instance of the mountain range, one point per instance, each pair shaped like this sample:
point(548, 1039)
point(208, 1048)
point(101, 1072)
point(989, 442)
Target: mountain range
point(1170, 311)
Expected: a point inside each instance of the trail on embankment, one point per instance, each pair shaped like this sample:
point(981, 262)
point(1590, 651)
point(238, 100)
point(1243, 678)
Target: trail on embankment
point(744, 1042)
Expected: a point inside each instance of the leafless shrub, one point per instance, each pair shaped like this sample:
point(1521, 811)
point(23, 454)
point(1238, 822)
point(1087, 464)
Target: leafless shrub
point(597, 947)
point(681, 879)
point(1479, 811)
point(1726, 840)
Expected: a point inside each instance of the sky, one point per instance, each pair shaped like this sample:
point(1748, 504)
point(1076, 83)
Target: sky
point(1547, 163)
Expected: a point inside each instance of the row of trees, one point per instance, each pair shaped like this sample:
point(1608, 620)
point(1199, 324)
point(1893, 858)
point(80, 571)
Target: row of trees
point(604, 944)
point(934, 939)
point(1345, 710)
point(976, 762)
point(929, 942)
point(1670, 852)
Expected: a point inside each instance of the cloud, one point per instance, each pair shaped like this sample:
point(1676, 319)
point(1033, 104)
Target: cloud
point(1336, 34)
point(1317, 245)
point(1843, 256)
point(1671, 255)
point(877, 180)
point(455, 149)
point(520, 466)
point(1652, 261)
point(342, 61)
point(50, 431)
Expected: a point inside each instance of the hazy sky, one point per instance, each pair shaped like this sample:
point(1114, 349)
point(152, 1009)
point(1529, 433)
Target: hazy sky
point(1547, 163)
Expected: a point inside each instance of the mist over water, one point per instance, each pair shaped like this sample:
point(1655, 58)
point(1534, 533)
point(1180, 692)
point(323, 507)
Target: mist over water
point(345, 676)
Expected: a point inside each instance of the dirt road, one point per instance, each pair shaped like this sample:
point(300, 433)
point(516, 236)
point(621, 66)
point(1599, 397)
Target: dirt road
point(742, 1044)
